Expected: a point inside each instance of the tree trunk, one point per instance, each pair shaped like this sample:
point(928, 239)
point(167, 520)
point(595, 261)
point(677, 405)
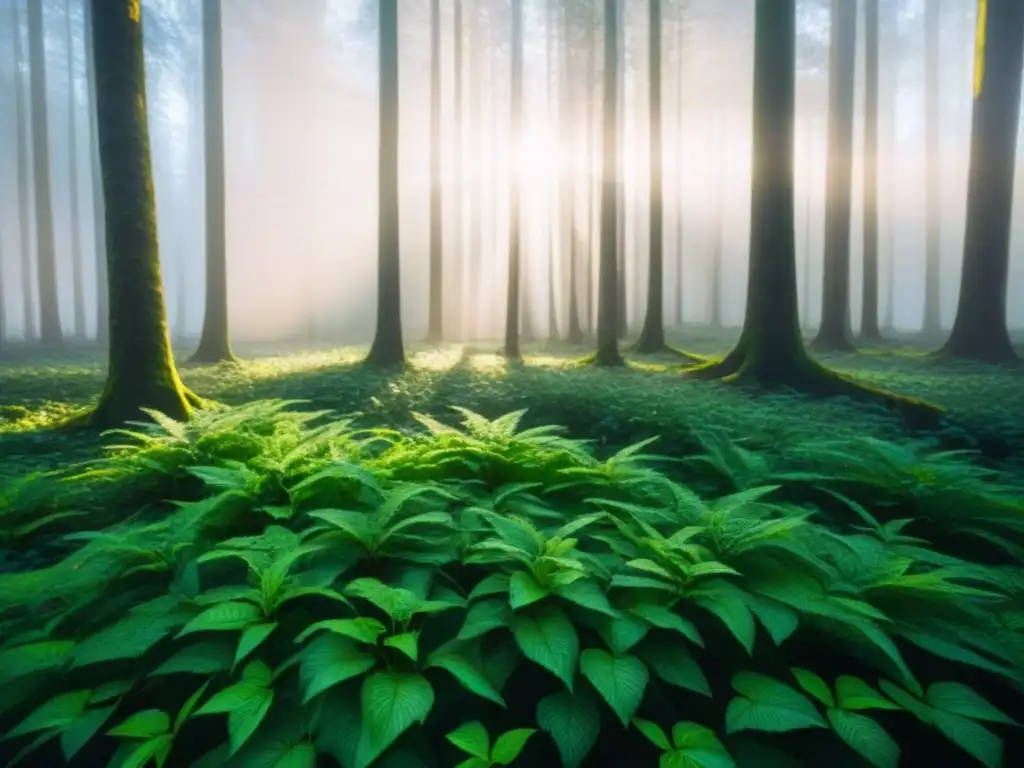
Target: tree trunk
point(678, 310)
point(50, 331)
point(387, 348)
point(435, 323)
point(141, 371)
point(96, 179)
point(869, 307)
point(215, 341)
point(833, 333)
point(554, 217)
point(932, 323)
point(569, 180)
point(77, 278)
point(590, 127)
point(474, 209)
point(652, 335)
point(718, 235)
point(621, 305)
point(512, 309)
point(455, 297)
point(28, 288)
point(980, 329)
point(608, 315)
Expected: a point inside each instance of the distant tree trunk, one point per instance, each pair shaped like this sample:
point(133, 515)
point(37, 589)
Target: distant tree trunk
point(569, 181)
point(50, 331)
point(678, 313)
point(590, 127)
point(608, 315)
point(833, 334)
point(454, 299)
point(932, 324)
point(28, 288)
point(435, 322)
point(717, 236)
point(652, 335)
point(3, 295)
point(980, 329)
point(890, 172)
point(554, 215)
point(622, 306)
point(141, 371)
point(215, 341)
point(805, 311)
point(77, 278)
point(869, 307)
point(475, 142)
point(512, 309)
point(387, 348)
point(96, 179)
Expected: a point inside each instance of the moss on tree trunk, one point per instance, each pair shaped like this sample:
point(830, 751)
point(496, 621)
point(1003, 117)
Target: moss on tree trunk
point(141, 371)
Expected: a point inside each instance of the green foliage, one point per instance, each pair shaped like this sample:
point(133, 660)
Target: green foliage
point(320, 590)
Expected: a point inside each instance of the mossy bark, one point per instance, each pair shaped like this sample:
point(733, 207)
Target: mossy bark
point(141, 371)
point(387, 349)
point(980, 329)
point(512, 308)
point(215, 342)
point(770, 352)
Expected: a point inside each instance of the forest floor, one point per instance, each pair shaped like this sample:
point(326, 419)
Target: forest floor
point(612, 407)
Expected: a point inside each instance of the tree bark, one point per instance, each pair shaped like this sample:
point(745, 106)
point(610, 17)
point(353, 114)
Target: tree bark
point(869, 329)
point(387, 348)
point(215, 341)
point(77, 277)
point(569, 181)
point(96, 179)
point(50, 331)
point(980, 329)
point(454, 299)
point(679, 310)
point(932, 322)
point(621, 305)
point(435, 322)
point(512, 309)
point(141, 371)
point(28, 287)
point(554, 209)
point(834, 332)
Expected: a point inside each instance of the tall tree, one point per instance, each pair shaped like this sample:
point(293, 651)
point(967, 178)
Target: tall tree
point(28, 289)
point(215, 341)
point(678, 311)
point(569, 126)
point(980, 329)
point(652, 335)
point(834, 332)
point(96, 179)
point(387, 348)
point(554, 216)
point(77, 277)
point(46, 257)
point(932, 324)
point(512, 308)
point(622, 211)
point(141, 371)
point(435, 321)
point(869, 329)
point(455, 298)
point(608, 315)
point(770, 351)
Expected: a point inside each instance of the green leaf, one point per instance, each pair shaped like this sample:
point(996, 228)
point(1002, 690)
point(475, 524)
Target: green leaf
point(547, 637)
point(673, 663)
point(510, 744)
point(131, 637)
point(622, 633)
point(665, 618)
point(574, 723)
point(768, 705)
point(157, 748)
point(398, 603)
point(26, 659)
point(223, 617)
point(252, 637)
point(361, 629)
point(734, 613)
point(466, 667)
point(907, 701)
point(866, 737)
point(780, 621)
point(329, 660)
point(963, 700)
point(391, 703)
point(406, 643)
point(691, 736)
point(492, 584)
point(246, 704)
point(814, 685)
point(55, 713)
point(473, 739)
point(524, 590)
point(205, 658)
point(972, 738)
point(653, 733)
point(110, 690)
point(588, 594)
point(621, 680)
point(485, 616)
point(190, 704)
point(147, 724)
point(77, 734)
point(853, 693)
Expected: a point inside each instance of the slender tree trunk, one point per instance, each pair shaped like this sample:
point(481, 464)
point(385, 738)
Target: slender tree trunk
point(141, 371)
point(77, 278)
point(512, 318)
point(805, 311)
point(554, 209)
point(980, 329)
point(455, 297)
point(652, 336)
point(622, 306)
point(96, 179)
point(435, 331)
point(590, 127)
point(869, 307)
point(891, 172)
point(475, 142)
point(50, 331)
point(608, 316)
point(717, 237)
point(833, 333)
point(24, 149)
point(569, 180)
point(387, 348)
point(932, 323)
point(679, 308)
point(215, 342)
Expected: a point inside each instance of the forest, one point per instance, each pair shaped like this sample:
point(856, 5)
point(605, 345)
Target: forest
point(593, 383)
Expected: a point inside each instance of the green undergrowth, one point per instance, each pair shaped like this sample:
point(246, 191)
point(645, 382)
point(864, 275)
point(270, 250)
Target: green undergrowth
point(270, 587)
